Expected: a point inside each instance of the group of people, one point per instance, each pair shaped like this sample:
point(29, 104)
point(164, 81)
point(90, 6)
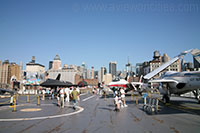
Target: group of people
point(119, 99)
point(67, 95)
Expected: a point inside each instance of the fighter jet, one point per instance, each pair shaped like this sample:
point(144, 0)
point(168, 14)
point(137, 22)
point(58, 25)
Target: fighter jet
point(56, 82)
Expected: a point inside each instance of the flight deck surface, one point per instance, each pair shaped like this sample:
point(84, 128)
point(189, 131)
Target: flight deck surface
point(96, 114)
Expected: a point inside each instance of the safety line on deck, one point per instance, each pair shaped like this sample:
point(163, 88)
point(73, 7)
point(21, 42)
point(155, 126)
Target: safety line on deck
point(88, 98)
point(46, 117)
point(83, 94)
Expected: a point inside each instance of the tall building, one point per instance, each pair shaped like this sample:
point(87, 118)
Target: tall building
point(146, 68)
point(95, 74)
point(107, 78)
point(139, 67)
point(9, 73)
point(84, 70)
point(4, 72)
point(92, 73)
point(101, 73)
point(21, 71)
point(15, 71)
point(113, 69)
point(50, 64)
point(128, 67)
point(89, 74)
point(56, 63)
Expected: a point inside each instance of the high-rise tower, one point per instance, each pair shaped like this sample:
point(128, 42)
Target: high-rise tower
point(56, 63)
point(113, 69)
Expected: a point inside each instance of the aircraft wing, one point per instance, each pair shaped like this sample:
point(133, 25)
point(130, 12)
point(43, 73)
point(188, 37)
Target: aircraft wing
point(164, 66)
point(163, 81)
point(121, 83)
point(136, 83)
point(3, 91)
point(159, 69)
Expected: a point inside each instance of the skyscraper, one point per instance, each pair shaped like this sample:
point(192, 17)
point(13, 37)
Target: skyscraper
point(9, 71)
point(15, 71)
point(128, 68)
point(92, 73)
point(85, 76)
point(113, 69)
point(56, 63)
point(102, 72)
point(4, 72)
point(50, 64)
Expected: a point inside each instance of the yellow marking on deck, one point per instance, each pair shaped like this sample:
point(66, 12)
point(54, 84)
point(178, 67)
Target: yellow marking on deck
point(182, 107)
point(30, 110)
point(185, 107)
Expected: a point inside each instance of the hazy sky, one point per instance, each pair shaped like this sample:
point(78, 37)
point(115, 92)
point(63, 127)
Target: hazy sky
point(97, 31)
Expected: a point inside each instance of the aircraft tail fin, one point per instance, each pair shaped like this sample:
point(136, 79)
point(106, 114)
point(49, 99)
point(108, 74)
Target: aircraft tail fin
point(141, 78)
point(58, 77)
point(196, 54)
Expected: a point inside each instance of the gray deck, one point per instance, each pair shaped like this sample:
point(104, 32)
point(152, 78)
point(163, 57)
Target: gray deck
point(181, 116)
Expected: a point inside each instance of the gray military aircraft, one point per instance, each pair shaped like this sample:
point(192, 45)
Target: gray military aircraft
point(3, 91)
point(173, 82)
point(178, 83)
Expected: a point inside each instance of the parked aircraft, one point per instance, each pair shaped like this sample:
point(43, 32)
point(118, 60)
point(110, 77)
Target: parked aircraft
point(3, 91)
point(172, 82)
point(120, 83)
point(56, 83)
point(178, 83)
point(140, 86)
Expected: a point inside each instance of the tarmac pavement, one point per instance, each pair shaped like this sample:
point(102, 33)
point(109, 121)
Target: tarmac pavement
point(97, 114)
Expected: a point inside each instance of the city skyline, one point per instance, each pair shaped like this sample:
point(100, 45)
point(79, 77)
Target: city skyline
point(97, 32)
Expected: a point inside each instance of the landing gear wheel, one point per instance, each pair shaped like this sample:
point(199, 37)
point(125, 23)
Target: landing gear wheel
point(198, 98)
point(149, 110)
point(144, 107)
point(166, 99)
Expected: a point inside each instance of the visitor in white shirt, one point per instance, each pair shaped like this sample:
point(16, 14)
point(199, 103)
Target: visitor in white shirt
point(123, 98)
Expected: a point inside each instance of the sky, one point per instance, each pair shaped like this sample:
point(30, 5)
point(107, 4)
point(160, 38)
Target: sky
point(97, 31)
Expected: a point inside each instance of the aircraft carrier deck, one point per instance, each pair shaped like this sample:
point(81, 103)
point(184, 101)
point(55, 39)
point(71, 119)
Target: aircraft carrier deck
point(95, 114)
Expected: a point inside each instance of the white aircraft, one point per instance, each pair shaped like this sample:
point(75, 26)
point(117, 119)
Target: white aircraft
point(120, 83)
point(173, 82)
point(140, 86)
point(178, 83)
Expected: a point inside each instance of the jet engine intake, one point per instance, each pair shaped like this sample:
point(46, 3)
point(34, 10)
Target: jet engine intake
point(180, 85)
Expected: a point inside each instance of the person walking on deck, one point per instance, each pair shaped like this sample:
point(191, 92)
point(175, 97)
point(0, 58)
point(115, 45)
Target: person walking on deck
point(74, 96)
